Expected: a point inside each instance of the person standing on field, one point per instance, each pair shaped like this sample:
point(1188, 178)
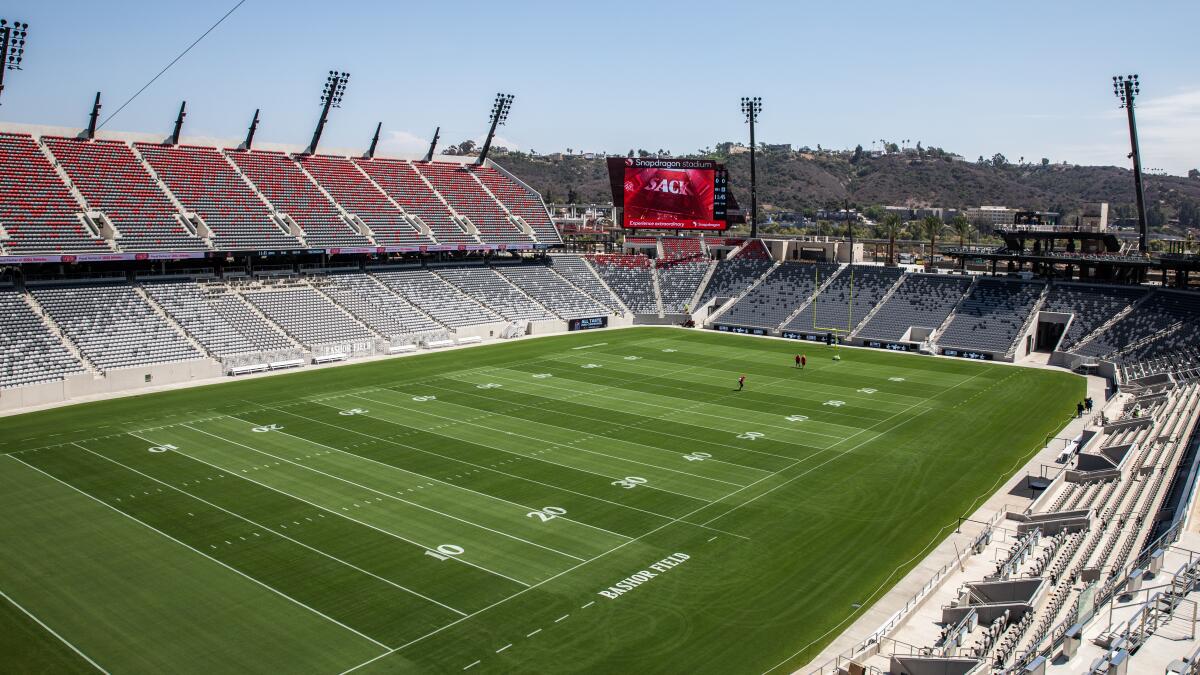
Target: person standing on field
point(803, 361)
point(741, 382)
point(797, 360)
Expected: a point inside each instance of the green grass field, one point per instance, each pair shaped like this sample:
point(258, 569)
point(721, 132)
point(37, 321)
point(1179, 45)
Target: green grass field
point(465, 510)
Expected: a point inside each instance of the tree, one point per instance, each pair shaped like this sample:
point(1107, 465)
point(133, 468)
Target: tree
point(961, 227)
point(857, 154)
point(630, 154)
point(1045, 161)
point(931, 227)
point(892, 227)
point(999, 160)
point(1193, 173)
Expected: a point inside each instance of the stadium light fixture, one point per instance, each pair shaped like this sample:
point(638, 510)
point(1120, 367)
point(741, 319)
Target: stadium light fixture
point(331, 97)
point(12, 47)
point(751, 107)
point(1126, 88)
point(500, 108)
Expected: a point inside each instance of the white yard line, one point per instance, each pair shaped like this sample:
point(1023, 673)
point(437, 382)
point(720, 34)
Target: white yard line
point(270, 529)
point(202, 553)
point(517, 454)
point(838, 393)
point(427, 477)
point(386, 494)
point(396, 443)
point(568, 446)
point(609, 423)
point(458, 559)
point(51, 631)
point(855, 447)
point(690, 410)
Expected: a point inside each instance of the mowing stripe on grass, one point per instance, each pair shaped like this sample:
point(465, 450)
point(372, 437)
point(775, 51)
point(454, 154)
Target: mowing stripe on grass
point(271, 530)
point(202, 553)
point(51, 631)
point(431, 547)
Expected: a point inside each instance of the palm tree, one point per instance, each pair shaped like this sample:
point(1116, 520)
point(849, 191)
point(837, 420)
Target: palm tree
point(961, 227)
point(931, 226)
point(892, 227)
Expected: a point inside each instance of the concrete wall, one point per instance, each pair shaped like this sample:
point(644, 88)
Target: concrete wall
point(119, 380)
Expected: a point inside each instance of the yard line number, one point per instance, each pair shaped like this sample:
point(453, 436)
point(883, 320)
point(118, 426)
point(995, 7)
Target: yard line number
point(630, 482)
point(445, 551)
point(547, 513)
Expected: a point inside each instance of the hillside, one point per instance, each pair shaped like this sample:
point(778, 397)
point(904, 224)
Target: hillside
point(798, 182)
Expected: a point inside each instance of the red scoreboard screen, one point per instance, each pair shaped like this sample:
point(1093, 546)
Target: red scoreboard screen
point(669, 194)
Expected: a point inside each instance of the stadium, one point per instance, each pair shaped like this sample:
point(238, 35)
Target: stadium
point(272, 407)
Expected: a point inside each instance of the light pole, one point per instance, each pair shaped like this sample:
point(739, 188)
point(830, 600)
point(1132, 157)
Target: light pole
point(331, 97)
point(12, 46)
point(499, 115)
point(1126, 89)
point(751, 107)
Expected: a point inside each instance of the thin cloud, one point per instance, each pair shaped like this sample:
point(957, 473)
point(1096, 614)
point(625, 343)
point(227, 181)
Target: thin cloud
point(403, 143)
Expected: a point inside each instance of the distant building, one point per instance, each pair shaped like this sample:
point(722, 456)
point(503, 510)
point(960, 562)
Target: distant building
point(907, 213)
point(995, 216)
point(1094, 217)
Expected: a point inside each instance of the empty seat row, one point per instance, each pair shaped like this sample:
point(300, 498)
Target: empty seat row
point(347, 183)
point(846, 301)
point(290, 191)
point(212, 316)
point(113, 326)
point(307, 316)
point(457, 185)
point(992, 315)
point(206, 183)
point(372, 303)
point(678, 284)
point(774, 299)
point(921, 300)
point(29, 352)
point(38, 214)
point(491, 290)
point(437, 297)
point(542, 284)
point(632, 278)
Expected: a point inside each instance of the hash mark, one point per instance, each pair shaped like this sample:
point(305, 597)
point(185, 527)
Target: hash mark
point(503, 648)
point(470, 665)
point(534, 633)
point(588, 605)
point(561, 618)
point(710, 539)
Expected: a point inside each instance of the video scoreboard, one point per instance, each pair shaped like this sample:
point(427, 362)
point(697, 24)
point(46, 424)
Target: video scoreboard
point(671, 194)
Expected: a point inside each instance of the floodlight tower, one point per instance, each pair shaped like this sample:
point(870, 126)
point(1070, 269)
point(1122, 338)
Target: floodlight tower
point(331, 97)
point(12, 46)
point(499, 115)
point(1126, 89)
point(751, 107)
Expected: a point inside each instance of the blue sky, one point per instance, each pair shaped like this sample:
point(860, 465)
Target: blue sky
point(1026, 79)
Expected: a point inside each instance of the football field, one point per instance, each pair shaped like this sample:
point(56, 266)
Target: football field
point(602, 502)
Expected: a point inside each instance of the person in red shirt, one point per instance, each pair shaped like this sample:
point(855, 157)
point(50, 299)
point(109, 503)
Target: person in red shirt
point(797, 360)
point(741, 382)
point(803, 361)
